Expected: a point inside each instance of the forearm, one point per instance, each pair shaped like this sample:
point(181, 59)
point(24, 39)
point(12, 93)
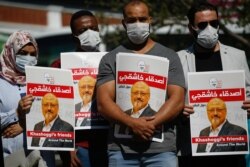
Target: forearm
point(112, 112)
point(107, 106)
point(172, 107)
point(141, 127)
point(8, 118)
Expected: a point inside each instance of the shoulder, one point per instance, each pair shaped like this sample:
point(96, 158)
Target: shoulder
point(65, 124)
point(227, 48)
point(39, 124)
point(128, 111)
point(4, 83)
point(234, 127)
point(164, 50)
point(151, 109)
point(56, 63)
point(2, 80)
point(187, 51)
point(232, 54)
point(112, 53)
point(205, 130)
point(148, 111)
point(78, 104)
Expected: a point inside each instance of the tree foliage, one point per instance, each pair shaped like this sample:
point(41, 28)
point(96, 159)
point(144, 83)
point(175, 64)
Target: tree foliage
point(173, 12)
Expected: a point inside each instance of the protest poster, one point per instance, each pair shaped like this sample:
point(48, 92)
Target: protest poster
point(219, 124)
point(84, 67)
point(141, 82)
point(50, 121)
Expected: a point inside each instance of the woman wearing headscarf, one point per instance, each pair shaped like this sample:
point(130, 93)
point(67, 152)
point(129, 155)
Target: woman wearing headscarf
point(19, 50)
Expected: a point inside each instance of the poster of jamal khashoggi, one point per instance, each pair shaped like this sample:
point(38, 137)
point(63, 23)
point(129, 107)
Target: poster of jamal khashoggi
point(219, 124)
point(84, 67)
point(50, 122)
point(141, 82)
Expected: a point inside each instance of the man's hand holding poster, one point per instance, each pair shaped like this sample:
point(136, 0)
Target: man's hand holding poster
point(140, 89)
point(219, 124)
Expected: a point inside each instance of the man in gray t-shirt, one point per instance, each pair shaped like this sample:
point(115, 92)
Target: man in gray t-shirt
point(136, 23)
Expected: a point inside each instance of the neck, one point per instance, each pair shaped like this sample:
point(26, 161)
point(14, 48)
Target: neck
point(142, 48)
point(79, 49)
point(200, 49)
point(85, 104)
point(135, 110)
point(47, 122)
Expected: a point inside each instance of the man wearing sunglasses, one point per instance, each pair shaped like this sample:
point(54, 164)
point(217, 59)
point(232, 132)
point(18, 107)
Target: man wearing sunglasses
point(207, 54)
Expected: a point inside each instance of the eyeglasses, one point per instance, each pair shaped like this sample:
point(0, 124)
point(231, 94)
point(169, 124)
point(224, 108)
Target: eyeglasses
point(203, 25)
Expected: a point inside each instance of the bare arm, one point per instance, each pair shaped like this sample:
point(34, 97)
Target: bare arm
point(17, 128)
point(107, 106)
point(112, 112)
point(172, 107)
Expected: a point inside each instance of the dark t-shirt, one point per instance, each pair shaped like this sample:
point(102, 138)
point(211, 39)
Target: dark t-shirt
point(210, 61)
point(107, 72)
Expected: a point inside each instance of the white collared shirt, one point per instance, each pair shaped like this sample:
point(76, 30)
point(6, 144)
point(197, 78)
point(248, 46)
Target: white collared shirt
point(135, 115)
point(138, 113)
point(85, 108)
point(213, 133)
point(46, 128)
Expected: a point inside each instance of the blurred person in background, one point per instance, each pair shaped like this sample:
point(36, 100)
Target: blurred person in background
point(91, 144)
point(207, 54)
point(19, 50)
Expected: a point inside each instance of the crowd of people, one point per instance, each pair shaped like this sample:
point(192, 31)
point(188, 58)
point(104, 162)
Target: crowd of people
point(99, 147)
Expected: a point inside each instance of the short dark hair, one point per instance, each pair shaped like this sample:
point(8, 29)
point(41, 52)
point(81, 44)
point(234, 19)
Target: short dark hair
point(133, 3)
point(77, 15)
point(198, 7)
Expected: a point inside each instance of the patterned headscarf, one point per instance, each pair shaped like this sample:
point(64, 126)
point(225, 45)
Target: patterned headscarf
point(15, 42)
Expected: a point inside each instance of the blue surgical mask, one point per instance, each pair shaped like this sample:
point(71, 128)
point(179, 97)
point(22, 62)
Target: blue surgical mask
point(138, 32)
point(90, 40)
point(25, 60)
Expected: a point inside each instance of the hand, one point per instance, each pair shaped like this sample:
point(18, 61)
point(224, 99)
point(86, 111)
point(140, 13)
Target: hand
point(74, 161)
point(246, 106)
point(24, 105)
point(188, 109)
point(12, 131)
point(143, 127)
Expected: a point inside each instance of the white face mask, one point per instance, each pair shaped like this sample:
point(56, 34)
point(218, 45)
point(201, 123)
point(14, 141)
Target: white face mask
point(23, 60)
point(208, 37)
point(90, 40)
point(138, 32)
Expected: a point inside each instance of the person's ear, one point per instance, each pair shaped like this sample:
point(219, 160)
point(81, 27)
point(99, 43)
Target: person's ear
point(75, 39)
point(190, 28)
point(192, 31)
point(150, 20)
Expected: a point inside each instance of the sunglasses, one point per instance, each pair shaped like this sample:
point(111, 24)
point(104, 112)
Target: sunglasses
point(203, 25)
